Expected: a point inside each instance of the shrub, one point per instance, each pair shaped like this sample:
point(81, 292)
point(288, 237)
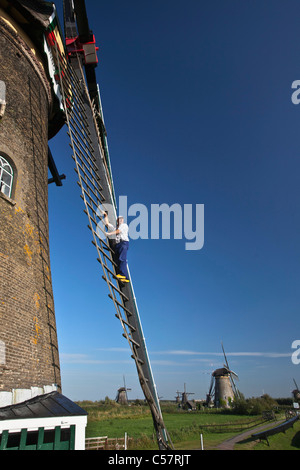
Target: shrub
point(254, 406)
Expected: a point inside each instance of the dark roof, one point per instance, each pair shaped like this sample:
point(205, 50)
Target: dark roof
point(220, 372)
point(43, 406)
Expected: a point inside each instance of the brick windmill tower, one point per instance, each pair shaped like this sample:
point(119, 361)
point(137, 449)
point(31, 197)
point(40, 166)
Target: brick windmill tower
point(31, 113)
point(29, 362)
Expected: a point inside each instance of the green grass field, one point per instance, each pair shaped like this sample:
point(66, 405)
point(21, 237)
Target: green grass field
point(184, 428)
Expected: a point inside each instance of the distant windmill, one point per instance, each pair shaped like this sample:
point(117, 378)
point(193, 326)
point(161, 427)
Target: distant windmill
point(222, 387)
point(185, 403)
point(122, 397)
point(296, 392)
point(177, 398)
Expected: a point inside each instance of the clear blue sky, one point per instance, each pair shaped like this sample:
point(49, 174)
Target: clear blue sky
point(197, 104)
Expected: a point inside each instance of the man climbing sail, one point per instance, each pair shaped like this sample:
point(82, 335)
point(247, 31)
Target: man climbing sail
point(120, 234)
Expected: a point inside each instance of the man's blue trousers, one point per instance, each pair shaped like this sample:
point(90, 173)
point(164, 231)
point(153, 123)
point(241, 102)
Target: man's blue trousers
point(121, 249)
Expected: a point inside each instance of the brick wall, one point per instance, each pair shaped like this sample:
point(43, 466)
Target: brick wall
point(27, 318)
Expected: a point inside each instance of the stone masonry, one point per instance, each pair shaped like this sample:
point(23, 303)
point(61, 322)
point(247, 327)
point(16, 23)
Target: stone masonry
point(28, 340)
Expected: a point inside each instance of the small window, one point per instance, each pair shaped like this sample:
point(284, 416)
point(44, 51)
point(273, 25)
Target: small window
point(6, 177)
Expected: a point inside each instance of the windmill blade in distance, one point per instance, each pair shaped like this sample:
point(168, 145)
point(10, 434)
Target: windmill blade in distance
point(231, 373)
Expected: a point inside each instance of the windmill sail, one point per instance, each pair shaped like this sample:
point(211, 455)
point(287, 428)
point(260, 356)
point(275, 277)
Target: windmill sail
point(297, 388)
point(231, 374)
point(86, 129)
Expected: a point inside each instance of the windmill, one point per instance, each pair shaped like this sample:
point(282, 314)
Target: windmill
point(222, 388)
point(177, 398)
point(122, 397)
point(81, 101)
point(185, 402)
